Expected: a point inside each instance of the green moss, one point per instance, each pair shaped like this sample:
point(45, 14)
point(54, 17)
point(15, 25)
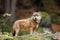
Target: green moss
point(40, 30)
point(33, 38)
point(23, 33)
point(44, 14)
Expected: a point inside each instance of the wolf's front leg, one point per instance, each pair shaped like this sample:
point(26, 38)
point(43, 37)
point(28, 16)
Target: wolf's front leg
point(31, 31)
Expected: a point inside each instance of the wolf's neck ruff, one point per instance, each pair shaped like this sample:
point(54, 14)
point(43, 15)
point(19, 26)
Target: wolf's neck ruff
point(34, 21)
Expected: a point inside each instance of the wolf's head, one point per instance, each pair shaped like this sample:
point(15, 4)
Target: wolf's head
point(36, 16)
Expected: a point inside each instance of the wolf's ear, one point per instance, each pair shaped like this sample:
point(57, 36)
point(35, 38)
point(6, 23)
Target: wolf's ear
point(39, 13)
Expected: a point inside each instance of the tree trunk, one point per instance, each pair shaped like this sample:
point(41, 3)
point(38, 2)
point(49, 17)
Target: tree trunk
point(0, 3)
point(7, 6)
point(3, 5)
point(13, 5)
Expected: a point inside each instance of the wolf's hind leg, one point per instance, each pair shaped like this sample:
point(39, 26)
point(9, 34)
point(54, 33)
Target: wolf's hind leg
point(14, 32)
point(17, 31)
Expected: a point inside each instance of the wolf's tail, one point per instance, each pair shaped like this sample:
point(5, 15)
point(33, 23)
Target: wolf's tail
point(14, 32)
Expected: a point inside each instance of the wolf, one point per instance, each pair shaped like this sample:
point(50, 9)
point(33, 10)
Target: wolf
point(30, 24)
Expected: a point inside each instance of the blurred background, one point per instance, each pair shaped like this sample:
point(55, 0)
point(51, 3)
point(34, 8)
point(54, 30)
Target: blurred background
point(21, 9)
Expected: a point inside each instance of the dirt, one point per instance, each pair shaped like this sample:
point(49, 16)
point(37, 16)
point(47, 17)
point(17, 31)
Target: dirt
point(56, 27)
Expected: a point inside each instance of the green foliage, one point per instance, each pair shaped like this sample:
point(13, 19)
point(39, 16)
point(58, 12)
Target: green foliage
point(54, 18)
point(44, 14)
point(8, 36)
point(35, 37)
point(23, 33)
point(5, 23)
point(40, 30)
